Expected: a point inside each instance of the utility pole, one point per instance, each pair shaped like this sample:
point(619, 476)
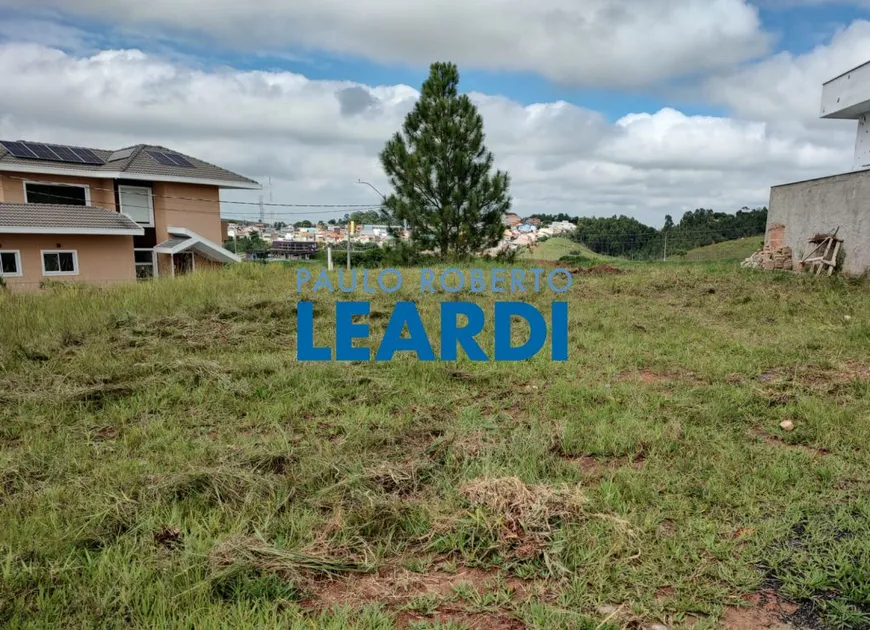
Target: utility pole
point(262, 210)
point(665, 255)
point(350, 227)
point(329, 257)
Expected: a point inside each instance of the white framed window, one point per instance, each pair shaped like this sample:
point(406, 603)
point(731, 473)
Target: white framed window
point(146, 263)
point(136, 203)
point(10, 263)
point(60, 262)
point(52, 192)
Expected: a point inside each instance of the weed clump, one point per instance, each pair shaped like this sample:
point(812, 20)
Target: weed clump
point(526, 517)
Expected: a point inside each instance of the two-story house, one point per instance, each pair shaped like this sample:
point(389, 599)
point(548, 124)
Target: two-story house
point(77, 214)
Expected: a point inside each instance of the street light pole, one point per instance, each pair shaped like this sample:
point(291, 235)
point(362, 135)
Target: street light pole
point(359, 181)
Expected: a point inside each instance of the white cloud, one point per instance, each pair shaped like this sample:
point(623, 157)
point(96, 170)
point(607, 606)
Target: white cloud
point(588, 42)
point(787, 87)
point(316, 138)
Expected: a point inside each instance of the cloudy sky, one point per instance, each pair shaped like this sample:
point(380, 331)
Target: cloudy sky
point(596, 107)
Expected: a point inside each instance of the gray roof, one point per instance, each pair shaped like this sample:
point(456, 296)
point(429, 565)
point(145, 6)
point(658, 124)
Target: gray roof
point(135, 160)
point(173, 242)
point(30, 218)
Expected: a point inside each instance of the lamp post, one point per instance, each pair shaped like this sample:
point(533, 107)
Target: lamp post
point(359, 181)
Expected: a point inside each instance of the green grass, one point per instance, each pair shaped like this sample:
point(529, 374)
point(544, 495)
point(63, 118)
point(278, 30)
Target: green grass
point(554, 248)
point(738, 249)
point(165, 461)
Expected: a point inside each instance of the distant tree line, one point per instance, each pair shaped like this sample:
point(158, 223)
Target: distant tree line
point(628, 237)
point(546, 219)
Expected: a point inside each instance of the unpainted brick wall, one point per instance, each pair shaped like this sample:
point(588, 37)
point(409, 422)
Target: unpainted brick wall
point(776, 236)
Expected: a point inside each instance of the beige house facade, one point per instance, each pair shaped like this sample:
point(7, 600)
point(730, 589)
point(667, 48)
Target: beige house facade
point(88, 215)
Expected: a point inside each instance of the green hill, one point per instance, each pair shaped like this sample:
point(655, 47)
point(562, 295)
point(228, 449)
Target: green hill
point(737, 249)
point(554, 248)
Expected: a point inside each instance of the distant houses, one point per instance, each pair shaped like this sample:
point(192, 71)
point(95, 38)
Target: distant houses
point(302, 242)
point(511, 220)
point(290, 242)
point(520, 233)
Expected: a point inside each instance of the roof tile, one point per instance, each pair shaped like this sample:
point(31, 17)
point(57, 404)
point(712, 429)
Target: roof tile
point(138, 162)
point(42, 216)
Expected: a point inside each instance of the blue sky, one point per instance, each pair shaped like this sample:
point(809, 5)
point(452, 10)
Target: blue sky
point(671, 104)
point(795, 28)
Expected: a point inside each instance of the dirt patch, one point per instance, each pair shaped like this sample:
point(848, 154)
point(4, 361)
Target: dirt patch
point(764, 610)
point(462, 619)
point(395, 587)
point(665, 593)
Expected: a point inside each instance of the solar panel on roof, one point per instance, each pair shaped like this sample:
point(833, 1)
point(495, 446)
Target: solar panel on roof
point(178, 160)
point(18, 149)
point(42, 151)
point(161, 158)
point(169, 159)
point(66, 154)
point(87, 156)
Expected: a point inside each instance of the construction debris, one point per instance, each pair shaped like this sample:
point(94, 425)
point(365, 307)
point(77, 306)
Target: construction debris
point(770, 259)
point(824, 256)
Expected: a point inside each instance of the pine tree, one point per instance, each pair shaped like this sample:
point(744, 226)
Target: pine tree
point(441, 172)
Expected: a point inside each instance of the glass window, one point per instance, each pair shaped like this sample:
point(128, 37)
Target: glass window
point(10, 263)
point(146, 263)
point(136, 203)
point(56, 193)
point(59, 263)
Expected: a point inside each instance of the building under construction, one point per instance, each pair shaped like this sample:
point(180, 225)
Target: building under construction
point(293, 250)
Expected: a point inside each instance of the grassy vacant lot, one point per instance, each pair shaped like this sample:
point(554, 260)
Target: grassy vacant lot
point(738, 249)
point(165, 462)
point(554, 248)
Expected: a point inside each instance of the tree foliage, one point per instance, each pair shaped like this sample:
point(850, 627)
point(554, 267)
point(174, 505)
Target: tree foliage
point(628, 237)
point(360, 217)
point(547, 219)
point(247, 244)
point(442, 174)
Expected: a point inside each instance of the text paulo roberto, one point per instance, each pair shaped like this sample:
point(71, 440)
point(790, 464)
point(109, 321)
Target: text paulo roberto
point(514, 282)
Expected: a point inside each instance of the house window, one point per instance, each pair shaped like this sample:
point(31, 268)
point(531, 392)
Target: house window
point(10, 263)
point(64, 194)
point(137, 204)
point(60, 263)
point(146, 263)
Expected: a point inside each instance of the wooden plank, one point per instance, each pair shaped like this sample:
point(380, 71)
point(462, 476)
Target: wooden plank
point(833, 262)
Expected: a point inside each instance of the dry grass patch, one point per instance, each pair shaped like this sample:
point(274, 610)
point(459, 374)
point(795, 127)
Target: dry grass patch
point(532, 509)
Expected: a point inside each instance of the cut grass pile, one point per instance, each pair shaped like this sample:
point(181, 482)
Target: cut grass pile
point(737, 249)
point(165, 461)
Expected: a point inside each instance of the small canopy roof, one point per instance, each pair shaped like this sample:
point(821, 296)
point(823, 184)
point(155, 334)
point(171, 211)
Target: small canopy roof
point(182, 240)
